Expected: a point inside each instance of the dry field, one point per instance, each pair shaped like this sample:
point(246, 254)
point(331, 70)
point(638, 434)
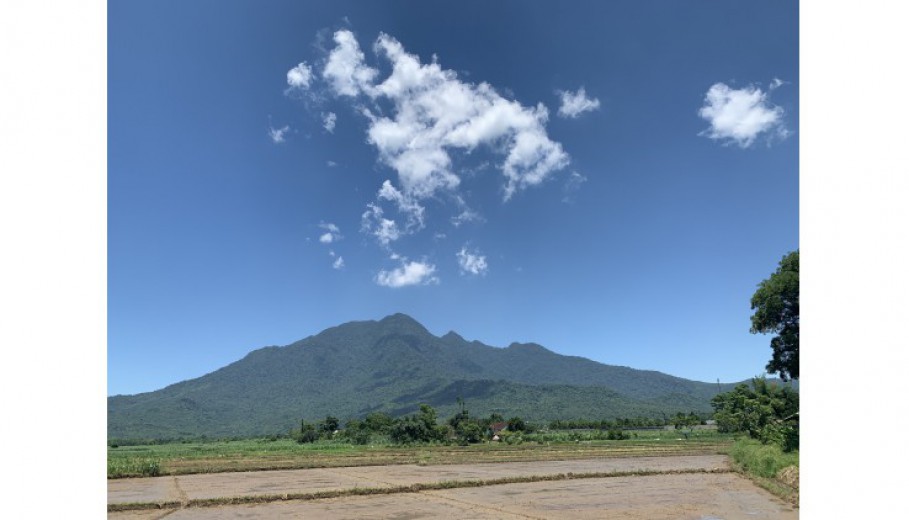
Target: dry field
point(699, 487)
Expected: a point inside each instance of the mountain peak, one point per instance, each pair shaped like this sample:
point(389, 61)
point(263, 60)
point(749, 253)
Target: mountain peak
point(402, 321)
point(454, 336)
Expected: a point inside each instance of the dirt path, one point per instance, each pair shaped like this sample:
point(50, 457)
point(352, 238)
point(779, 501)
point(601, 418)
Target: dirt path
point(698, 496)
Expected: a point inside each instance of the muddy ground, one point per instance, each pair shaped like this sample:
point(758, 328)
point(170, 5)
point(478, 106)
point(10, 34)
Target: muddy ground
point(696, 496)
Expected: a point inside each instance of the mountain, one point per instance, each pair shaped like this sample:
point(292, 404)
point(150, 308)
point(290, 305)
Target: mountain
point(392, 365)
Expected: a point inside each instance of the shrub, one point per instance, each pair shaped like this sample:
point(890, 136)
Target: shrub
point(616, 434)
point(764, 460)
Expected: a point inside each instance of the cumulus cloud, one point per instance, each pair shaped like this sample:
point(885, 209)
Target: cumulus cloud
point(576, 103)
point(338, 263)
point(741, 115)
point(277, 135)
point(424, 122)
point(345, 70)
point(473, 263)
point(328, 121)
point(433, 113)
point(409, 273)
point(300, 77)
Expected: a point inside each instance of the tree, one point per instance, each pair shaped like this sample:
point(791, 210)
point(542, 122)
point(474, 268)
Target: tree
point(516, 424)
point(421, 427)
point(328, 426)
point(308, 433)
point(776, 311)
point(765, 411)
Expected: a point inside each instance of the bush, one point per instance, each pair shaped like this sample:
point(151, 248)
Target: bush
point(616, 434)
point(512, 438)
point(764, 460)
point(469, 433)
point(421, 427)
point(516, 424)
point(307, 433)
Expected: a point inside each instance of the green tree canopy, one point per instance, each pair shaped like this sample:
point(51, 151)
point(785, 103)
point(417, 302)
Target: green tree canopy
point(776, 311)
point(765, 411)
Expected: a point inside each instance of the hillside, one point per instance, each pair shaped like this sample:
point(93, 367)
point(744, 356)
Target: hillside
point(393, 365)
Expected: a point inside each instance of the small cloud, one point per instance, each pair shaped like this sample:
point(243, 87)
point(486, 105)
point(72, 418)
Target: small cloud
point(328, 121)
point(277, 135)
point(575, 104)
point(741, 115)
point(374, 223)
point(331, 164)
point(338, 263)
point(467, 215)
point(300, 77)
point(332, 234)
point(473, 263)
point(572, 185)
point(410, 273)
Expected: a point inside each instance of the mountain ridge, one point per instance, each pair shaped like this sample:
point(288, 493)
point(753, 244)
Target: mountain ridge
point(392, 365)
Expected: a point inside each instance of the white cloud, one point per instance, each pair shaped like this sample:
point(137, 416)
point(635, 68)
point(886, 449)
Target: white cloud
point(410, 273)
point(345, 70)
point(575, 104)
point(374, 223)
point(413, 211)
point(434, 112)
point(300, 77)
point(338, 263)
point(332, 234)
point(328, 121)
point(473, 263)
point(741, 115)
point(331, 164)
point(277, 135)
point(466, 215)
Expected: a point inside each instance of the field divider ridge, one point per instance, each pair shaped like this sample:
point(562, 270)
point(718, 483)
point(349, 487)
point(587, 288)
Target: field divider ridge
point(412, 488)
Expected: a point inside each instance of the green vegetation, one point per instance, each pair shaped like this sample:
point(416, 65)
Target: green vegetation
point(419, 428)
point(286, 453)
point(119, 467)
point(390, 367)
point(769, 466)
point(763, 460)
point(776, 311)
point(766, 412)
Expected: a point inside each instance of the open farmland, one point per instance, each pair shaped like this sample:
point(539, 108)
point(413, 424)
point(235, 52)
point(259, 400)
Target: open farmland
point(263, 454)
point(698, 486)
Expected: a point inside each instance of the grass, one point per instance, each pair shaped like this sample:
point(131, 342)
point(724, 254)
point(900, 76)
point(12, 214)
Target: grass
point(763, 464)
point(264, 454)
point(133, 467)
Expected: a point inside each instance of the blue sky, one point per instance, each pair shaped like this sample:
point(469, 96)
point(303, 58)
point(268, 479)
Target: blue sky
point(242, 214)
